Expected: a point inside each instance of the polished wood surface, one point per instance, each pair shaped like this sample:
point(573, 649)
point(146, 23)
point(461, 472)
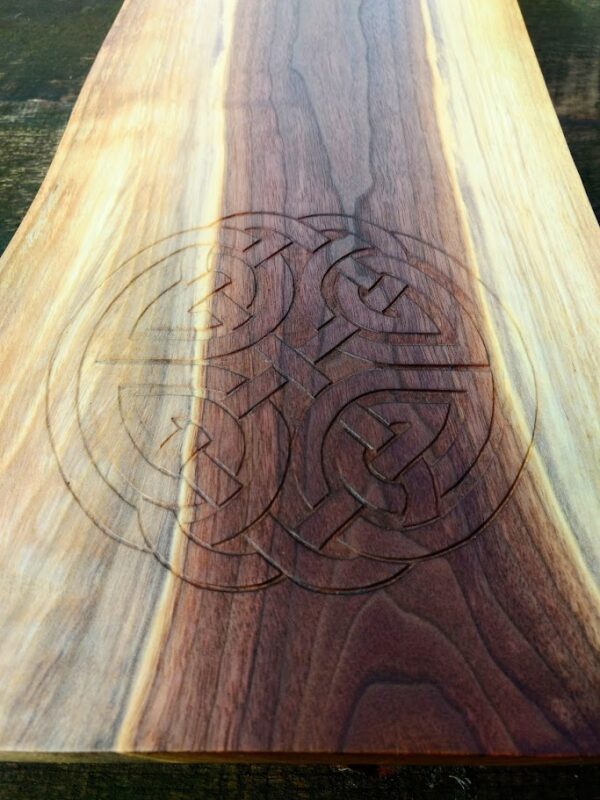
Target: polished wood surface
point(298, 433)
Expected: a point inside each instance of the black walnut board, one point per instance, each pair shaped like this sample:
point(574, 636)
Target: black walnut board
point(298, 431)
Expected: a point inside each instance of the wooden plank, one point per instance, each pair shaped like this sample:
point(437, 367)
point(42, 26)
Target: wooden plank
point(141, 779)
point(259, 442)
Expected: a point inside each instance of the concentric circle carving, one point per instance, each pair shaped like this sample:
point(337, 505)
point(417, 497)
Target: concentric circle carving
point(270, 398)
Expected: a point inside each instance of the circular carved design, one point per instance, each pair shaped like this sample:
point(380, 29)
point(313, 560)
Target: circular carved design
point(269, 398)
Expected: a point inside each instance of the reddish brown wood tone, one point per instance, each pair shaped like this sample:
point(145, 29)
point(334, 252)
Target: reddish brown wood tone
point(303, 417)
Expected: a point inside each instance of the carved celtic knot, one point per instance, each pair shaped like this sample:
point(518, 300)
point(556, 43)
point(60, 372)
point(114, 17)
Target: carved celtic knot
point(270, 398)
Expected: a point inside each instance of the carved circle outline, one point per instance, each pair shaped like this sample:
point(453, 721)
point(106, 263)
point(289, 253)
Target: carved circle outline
point(305, 221)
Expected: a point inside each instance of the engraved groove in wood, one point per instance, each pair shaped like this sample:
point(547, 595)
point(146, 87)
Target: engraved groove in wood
point(327, 410)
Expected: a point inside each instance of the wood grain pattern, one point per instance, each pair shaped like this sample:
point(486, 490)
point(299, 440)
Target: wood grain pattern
point(299, 443)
